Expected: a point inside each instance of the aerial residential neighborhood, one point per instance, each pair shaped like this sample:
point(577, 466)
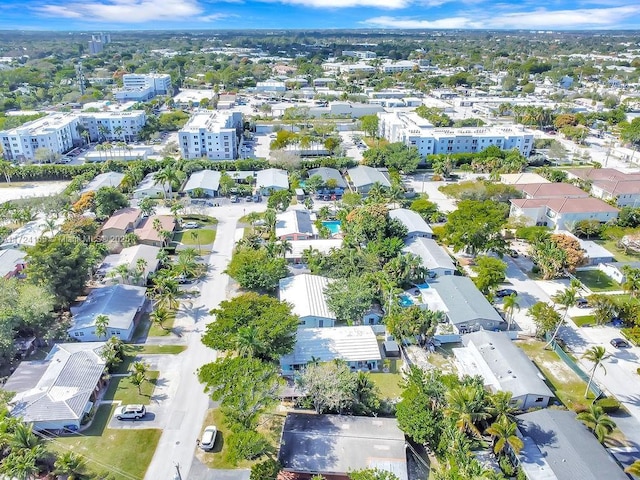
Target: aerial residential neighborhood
point(354, 254)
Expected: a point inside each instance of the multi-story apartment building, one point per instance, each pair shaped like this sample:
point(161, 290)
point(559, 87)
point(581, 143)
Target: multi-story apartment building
point(56, 133)
point(114, 125)
point(211, 134)
point(142, 87)
point(362, 54)
point(413, 130)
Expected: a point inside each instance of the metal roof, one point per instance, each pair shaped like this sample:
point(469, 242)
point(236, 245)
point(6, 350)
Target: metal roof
point(559, 447)
point(306, 293)
point(58, 387)
point(129, 256)
point(9, 259)
point(272, 177)
point(502, 364)
point(205, 179)
point(119, 302)
point(294, 221)
point(432, 255)
point(363, 175)
point(412, 220)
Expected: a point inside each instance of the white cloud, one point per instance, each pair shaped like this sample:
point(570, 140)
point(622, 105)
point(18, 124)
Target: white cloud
point(386, 4)
point(537, 19)
point(124, 11)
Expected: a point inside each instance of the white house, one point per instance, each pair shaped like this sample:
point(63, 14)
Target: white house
point(323, 246)
point(271, 180)
point(504, 367)
point(615, 270)
point(107, 179)
point(206, 181)
point(306, 293)
point(562, 213)
point(122, 304)
point(295, 225)
point(433, 256)
point(141, 261)
point(151, 188)
point(357, 346)
point(364, 177)
point(416, 226)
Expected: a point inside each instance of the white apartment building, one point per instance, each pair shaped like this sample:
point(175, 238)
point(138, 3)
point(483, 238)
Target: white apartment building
point(271, 86)
point(413, 130)
point(398, 67)
point(56, 132)
point(211, 134)
point(115, 125)
point(142, 87)
point(362, 54)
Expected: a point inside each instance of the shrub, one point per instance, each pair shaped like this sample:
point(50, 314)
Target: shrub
point(267, 470)
point(608, 405)
point(506, 467)
point(245, 445)
point(579, 408)
point(638, 370)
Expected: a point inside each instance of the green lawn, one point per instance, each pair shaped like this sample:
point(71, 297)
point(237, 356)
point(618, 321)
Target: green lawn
point(597, 281)
point(206, 236)
point(584, 320)
point(125, 454)
point(620, 255)
point(216, 457)
point(563, 382)
point(130, 352)
point(387, 383)
point(156, 330)
point(121, 388)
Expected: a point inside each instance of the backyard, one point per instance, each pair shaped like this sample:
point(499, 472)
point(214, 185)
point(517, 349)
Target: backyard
point(597, 281)
point(619, 254)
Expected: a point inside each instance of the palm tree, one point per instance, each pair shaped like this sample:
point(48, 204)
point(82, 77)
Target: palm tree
point(596, 355)
point(168, 176)
point(159, 316)
point(566, 299)
point(509, 304)
point(501, 405)
point(597, 421)
point(130, 239)
point(101, 324)
point(196, 236)
point(466, 407)
point(634, 468)
point(122, 272)
point(185, 267)
point(165, 292)
point(23, 438)
point(396, 194)
point(284, 247)
point(632, 280)
point(504, 433)
point(270, 221)
point(70, 464)
point(21, 464)
point(247, 343)
point(138, 379)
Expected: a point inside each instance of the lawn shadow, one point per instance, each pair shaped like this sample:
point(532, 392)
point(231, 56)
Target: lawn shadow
point(98, 423)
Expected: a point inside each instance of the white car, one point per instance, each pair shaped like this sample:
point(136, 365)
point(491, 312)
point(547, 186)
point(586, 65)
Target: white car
point(127, 412)
point(190, 225)
point(208, 438)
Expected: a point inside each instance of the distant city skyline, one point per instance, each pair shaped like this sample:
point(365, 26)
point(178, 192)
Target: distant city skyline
point(74, 15)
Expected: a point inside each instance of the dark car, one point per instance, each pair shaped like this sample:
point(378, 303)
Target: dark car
point(513, 254)
point(505, 292)
point(619, 343)
point(582, 303)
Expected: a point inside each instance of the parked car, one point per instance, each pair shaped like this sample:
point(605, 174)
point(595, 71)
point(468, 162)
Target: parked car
point(128, 412)
point(208, 439)
point(513, 254)
point(505, 292)
point(234, 199)
point(190, 225)
point(582, 303)
point(249, 199)
point(619, 343)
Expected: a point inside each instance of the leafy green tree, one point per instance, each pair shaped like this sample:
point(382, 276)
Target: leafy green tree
point(256, 269)
point(545, 317)
point(630, 131)
point(266, 470)
point(396, 156)
point(587, 228)
point(595, 355)
point(413, 322)
point(108, 200)
point(631, 283)
point(349, 298)
point(476, 226)
point(61, 264)
point(490, 272)
point(160, 316)
point(147, 206)
point(427, 209)
point(372, 474)
point(245, 445)
point(467, 407)
point(279, 200)
point(369, 124)
point(597, 421)
point(329, 386)
point(275, 326)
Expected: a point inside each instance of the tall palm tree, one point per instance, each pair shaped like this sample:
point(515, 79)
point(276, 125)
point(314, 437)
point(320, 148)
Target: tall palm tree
point(247, 343)
point(165, 292)
point(504, 433)
point(509, 304)
point(632, 280)
point(466, 407)
point(597, 421)
point(270, 221)
point(284, 247)
point(101, 324)
point(634, 468)
point(596, 355)
point(566, 299)
point(168, 176)
point(70, 464)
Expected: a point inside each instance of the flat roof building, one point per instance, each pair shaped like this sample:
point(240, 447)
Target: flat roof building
point(211, 134)
point(107, 179)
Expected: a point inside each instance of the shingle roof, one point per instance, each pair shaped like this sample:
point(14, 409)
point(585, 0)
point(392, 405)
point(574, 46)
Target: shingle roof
point(306, 293)
point(410, 219)
point(205, 179)
point(146, 230)
point(566, 205)
point(59, 387)
point(602, 174)
point(119, 302)
point(364, 175)
point(327, 174)
point(122, 218)
point(554, 440)
point(432, 255)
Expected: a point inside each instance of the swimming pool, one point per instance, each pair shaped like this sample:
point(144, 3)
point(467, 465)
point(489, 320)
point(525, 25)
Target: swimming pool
point(405, 300)
point(333, 226)
point(423, 286)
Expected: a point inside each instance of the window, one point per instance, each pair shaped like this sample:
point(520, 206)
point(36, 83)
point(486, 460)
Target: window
point(539, 399)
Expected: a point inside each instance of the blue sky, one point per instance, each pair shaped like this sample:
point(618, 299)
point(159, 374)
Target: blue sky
point(283, 14)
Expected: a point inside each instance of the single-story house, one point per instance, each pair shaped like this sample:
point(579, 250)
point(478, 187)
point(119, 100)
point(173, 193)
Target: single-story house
point(295, 225)
point(335, 445)
point(12, 262)
point(123, 304)
point(271, 180)
point(416, 226)
point(107, 179)
point(122, 221)
point(364, 177)
point(522, 178)
point(298, 247)
point(433, 256)
point(57, 392)
point(614, 270)
point(141, 260)
point(465, 306)
point(504, 367)
point(27, 235)
point(357, 346)
point(149, 234)
point(594, 253)
point(306, 293)
point(241, 176)
point(559, 447)
point(149, 187)
point(373, 316)
point(327, 174)
point(560, 213)
point(206, 181)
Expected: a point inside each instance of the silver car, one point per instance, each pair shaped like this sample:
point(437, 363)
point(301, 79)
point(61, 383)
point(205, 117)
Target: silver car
point(128, 412)
point(208, 438)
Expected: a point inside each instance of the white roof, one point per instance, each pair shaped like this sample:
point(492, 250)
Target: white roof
point(205, 179)
point(432, 255)
point(294, 221)
point(107, 179)
point(28, 234)
point(150, 183)
point(323, 246)
point(306, 293)
point(119, 302)
point(9, 258)
point(351, 344)
point(410, 219)
point(272, 177)
point(129, 256)
point(363, 175)
point(58, 387)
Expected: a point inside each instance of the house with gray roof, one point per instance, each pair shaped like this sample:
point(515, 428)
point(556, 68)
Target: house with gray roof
point(295, 225)
point(559, 447)
point(149, 187)
point(306, 293)
point(504, 367)
point(272, 180)
point(364, 177)
point(57, 392)
point(416, 226)
point(465, 306)
point(327, 174)
point(335, 445)
point(433, 256)
point(107, 179)
point(205, 181)
point(141, 261)
point(122, 304)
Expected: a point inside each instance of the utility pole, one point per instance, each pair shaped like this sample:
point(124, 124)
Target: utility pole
point(178, 474)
